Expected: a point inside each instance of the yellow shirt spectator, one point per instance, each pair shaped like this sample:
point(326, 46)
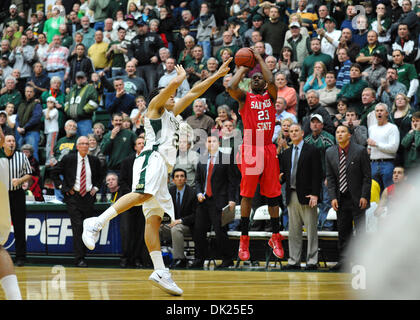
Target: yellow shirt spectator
point(97, 52)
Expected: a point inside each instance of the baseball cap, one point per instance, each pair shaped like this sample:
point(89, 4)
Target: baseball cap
point(51, 98)
point(13, 6)
point(330, 19)
point(379, 54)
point(257, 17)
point(317, 116)
point(294, 24)
point(129, 17)
point(3, 112)
point(80, 74)
point(5, 57)
point(141, 22)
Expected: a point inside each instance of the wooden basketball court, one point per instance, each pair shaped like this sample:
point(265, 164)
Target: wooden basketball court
point(68, 283)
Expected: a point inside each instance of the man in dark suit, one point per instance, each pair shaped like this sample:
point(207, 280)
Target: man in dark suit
point(185, 203)
point(82, 179)
point(132, 222)
point(301, 169)
point(216, 184)
point(349, 186)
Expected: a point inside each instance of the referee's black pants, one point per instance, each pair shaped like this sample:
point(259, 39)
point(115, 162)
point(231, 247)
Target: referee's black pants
point(18, 214)
point(79, 208)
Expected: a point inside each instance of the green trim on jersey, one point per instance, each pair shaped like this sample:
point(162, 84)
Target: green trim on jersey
point(157, 127)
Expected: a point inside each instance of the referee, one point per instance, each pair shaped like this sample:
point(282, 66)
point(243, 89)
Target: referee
point(19, 172)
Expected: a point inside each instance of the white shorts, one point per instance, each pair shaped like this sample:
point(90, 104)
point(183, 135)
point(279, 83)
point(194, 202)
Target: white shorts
point(5, 220)
point(150, 175)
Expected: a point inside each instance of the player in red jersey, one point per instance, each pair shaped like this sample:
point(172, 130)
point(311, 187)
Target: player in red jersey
point(257, 159)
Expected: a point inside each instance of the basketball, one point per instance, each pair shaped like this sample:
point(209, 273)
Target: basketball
point(245, 57)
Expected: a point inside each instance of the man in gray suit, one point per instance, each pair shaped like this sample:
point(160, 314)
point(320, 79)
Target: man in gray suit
point(349, 186)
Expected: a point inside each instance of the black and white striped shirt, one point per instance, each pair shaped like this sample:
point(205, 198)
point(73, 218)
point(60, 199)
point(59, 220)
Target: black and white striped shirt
point(18, 167)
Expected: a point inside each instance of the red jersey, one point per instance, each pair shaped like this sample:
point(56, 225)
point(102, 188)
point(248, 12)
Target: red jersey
point(259, 119)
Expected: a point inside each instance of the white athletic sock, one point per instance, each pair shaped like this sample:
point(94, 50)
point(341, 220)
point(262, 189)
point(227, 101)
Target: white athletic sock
point(107, 215)
point(11, 287)
point(157, 260)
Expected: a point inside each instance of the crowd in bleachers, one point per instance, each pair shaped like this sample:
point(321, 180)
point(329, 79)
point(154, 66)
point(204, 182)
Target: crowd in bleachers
point(86, 68)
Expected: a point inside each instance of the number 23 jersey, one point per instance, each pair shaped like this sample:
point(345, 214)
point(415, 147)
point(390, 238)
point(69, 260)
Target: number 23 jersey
point(259, 118)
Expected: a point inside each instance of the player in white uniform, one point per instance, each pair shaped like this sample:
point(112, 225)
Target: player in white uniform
point(151, 169)
point(8, 278)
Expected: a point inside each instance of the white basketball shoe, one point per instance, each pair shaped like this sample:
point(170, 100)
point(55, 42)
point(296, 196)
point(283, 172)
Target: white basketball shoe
point(90, 235)
point(163, 280)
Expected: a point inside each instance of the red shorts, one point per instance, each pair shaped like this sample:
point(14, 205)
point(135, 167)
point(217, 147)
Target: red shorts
point(259, 165)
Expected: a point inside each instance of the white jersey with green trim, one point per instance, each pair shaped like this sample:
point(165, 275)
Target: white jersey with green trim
point(162, 134)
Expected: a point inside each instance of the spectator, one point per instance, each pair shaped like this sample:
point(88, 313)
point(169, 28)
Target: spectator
point(73, 24)
point(80, 104)
point(328, 94)
point(171, 73)
point(184, 198)
point(272, 65)
point(383, 142)
point(259, 47)
point(28, 121)
point(200, 122)
point(11, 116)
point(367, 117)
point(144, 52)
point(137, 115)
point(322, 140)
point(296, 21)
point(60, 97)
point(348, 22)
point(359, 133)
point(197, 64)
point(407, 43)
point(366, 56)
point(215, 89)
point(110, 34)
point(166, 27)
point(164, 54)
point(9, 93)
point(51, 26)
point(410, 144)
point(5, 69)
point(373, 74)
point(289, 66)
point(117, 53)
point(118, 143)
point(226, 42)
point(206, 23)
point(50, 128)
point(298, 43)
point(14, 19)
point(5, 49)
point(309, 18)
point(4, 125)
point(400, 115)
point(323, 12)
point(66, 38)
point(39, 80)
point(286, 92)
point(97, 52)
point(95, 150)
point(352, 91)
point(257, 22)
point(87, 32)
point(32, 41)
point(281, 114)
point(389, 88)
point(308, 64)
point(33, 183)
point(21, 83)
point(407, 73)
point(179, 41)
point(100, 14)
point(381, 24)
point(346, 42)
point(408, 17)
point(56, 59)
point(330, 37)
point(22, 57)
point(224, 97)
point(98, 131)
point(342, 108)
point(78, 61)
point(41, 50)
point(120, 100)
point(273, 31)
point(185, 56)
point(130, 27)
point(312, 97)
point(316, 80)
point(361, 33)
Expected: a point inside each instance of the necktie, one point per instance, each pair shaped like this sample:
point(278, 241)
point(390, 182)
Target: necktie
point(342, 172)
point(178, 202)
point(209, 192)
point(294, 169)
point(83, 179)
